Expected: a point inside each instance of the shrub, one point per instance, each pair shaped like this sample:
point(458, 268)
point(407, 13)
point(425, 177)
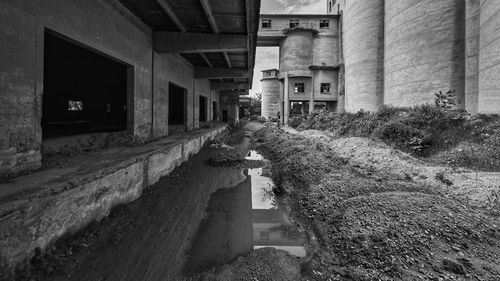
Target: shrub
point(295, 121)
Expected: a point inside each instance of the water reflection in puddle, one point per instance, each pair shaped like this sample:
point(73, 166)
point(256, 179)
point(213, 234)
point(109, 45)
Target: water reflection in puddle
point(243, 218)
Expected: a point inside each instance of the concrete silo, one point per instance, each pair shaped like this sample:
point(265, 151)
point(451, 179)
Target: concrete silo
point(271, 93)
point(424, 50)
point(472, 55)
point(363, 54)
point(489, 57)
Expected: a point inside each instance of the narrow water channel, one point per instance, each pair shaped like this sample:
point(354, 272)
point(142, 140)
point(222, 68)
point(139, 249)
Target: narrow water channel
point(243, 218)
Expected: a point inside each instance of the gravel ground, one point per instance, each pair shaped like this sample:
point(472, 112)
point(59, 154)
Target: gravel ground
point(380, 214)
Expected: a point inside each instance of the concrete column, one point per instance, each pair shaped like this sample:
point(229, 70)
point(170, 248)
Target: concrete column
point(489, 57)
point(364, 54)
point(311, 99)
point(472, 55)
point(286, 100)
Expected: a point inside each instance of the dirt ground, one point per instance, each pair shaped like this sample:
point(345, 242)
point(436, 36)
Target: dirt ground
point(369, 212)
point(380, 214)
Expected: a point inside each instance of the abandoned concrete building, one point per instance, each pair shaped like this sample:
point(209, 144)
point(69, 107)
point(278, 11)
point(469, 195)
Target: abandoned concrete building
point(309, 63)
point(73, 71)
point(390, 52)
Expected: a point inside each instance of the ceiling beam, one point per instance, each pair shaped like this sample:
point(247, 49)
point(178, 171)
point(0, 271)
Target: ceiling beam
point(210, 15)
point(182, 42)
point(207, 61)
point(167, 8)
point(228, 61)
point(217, 73)
point(228, 86)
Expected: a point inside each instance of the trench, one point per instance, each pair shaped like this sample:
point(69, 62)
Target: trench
point(243, 218)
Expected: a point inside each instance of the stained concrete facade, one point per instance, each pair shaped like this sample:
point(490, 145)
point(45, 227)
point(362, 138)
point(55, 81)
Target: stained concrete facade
point(309, 53)
point(271, 93)
point(401, 52)
point(114, 29)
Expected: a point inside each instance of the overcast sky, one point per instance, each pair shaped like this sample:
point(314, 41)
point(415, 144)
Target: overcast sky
point(267, 57)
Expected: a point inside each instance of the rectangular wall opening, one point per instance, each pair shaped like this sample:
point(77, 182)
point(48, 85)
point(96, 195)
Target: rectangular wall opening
point(177, 105)
point(84, 90)
point(203, 109)
point(214, 109)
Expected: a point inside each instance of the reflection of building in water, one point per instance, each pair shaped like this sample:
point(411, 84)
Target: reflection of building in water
point(274, 228)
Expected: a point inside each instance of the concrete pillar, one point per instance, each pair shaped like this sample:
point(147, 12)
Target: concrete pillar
point(311, 99)
point(424, 50)
point(364, 54)
point(472, 55)
point(489, 57)
point(286, 100)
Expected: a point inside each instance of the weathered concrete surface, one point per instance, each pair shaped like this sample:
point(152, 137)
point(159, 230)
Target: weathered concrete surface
point(364, 54)
point(296, 52)
point(424, 50)
point(472, 55)
point(37, 209)
point(271, 96)
point(489, 57)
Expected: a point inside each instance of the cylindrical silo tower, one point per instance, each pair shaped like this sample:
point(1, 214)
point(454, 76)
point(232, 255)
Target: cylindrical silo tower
point(489, 57)
point(364, 54)
point(271, 93)
point(424, 50)
point(472, 55)
point(296, 53)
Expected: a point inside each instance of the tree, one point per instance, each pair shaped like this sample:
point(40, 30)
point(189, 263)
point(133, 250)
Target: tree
point(256, 104)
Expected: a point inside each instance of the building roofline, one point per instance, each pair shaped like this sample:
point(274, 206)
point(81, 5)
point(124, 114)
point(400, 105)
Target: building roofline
point(299, 16)
point(270, 69)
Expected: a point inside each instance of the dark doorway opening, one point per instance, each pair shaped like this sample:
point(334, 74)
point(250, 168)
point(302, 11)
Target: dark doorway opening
point(214, 109)
point(224, 116)
point(177, 105)
point(203, 109)
point(84, 91)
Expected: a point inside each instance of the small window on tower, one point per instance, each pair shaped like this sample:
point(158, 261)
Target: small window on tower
point(299, 88)
point(294, 23)
point(266, 23)
point(325, 88)
point(74, 105)
point(324, 24)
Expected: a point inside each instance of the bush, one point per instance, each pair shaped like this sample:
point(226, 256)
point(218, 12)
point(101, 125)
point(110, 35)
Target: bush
point(295, 121)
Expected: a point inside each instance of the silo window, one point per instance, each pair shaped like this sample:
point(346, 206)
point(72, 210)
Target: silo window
point(325, 88)
point(299, 88)
point(324, 24)
point(266, 23)
point(294, 23)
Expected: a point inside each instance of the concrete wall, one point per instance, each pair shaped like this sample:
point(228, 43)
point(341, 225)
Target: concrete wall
point(489, 57)
point(325, 50)
point(105, 27)
point(280, 23)
point(271, 97)
point(202, 88)
point(364, 54)
point(471, 55)
point(307, 88)
point(171, 69)
point(325, 76)
point(424, 50)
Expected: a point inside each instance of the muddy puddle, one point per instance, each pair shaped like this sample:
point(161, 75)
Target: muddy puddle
point(243, 218)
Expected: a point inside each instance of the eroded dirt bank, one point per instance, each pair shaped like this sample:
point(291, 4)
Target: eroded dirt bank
point(380, 214)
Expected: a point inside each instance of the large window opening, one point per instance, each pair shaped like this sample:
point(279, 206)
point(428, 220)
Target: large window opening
point(177, 105)
point(203, 109)
point(84, 91)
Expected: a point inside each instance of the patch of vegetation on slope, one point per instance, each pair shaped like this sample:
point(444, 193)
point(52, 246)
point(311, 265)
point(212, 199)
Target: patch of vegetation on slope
point(373, 228)
point(446, 136)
